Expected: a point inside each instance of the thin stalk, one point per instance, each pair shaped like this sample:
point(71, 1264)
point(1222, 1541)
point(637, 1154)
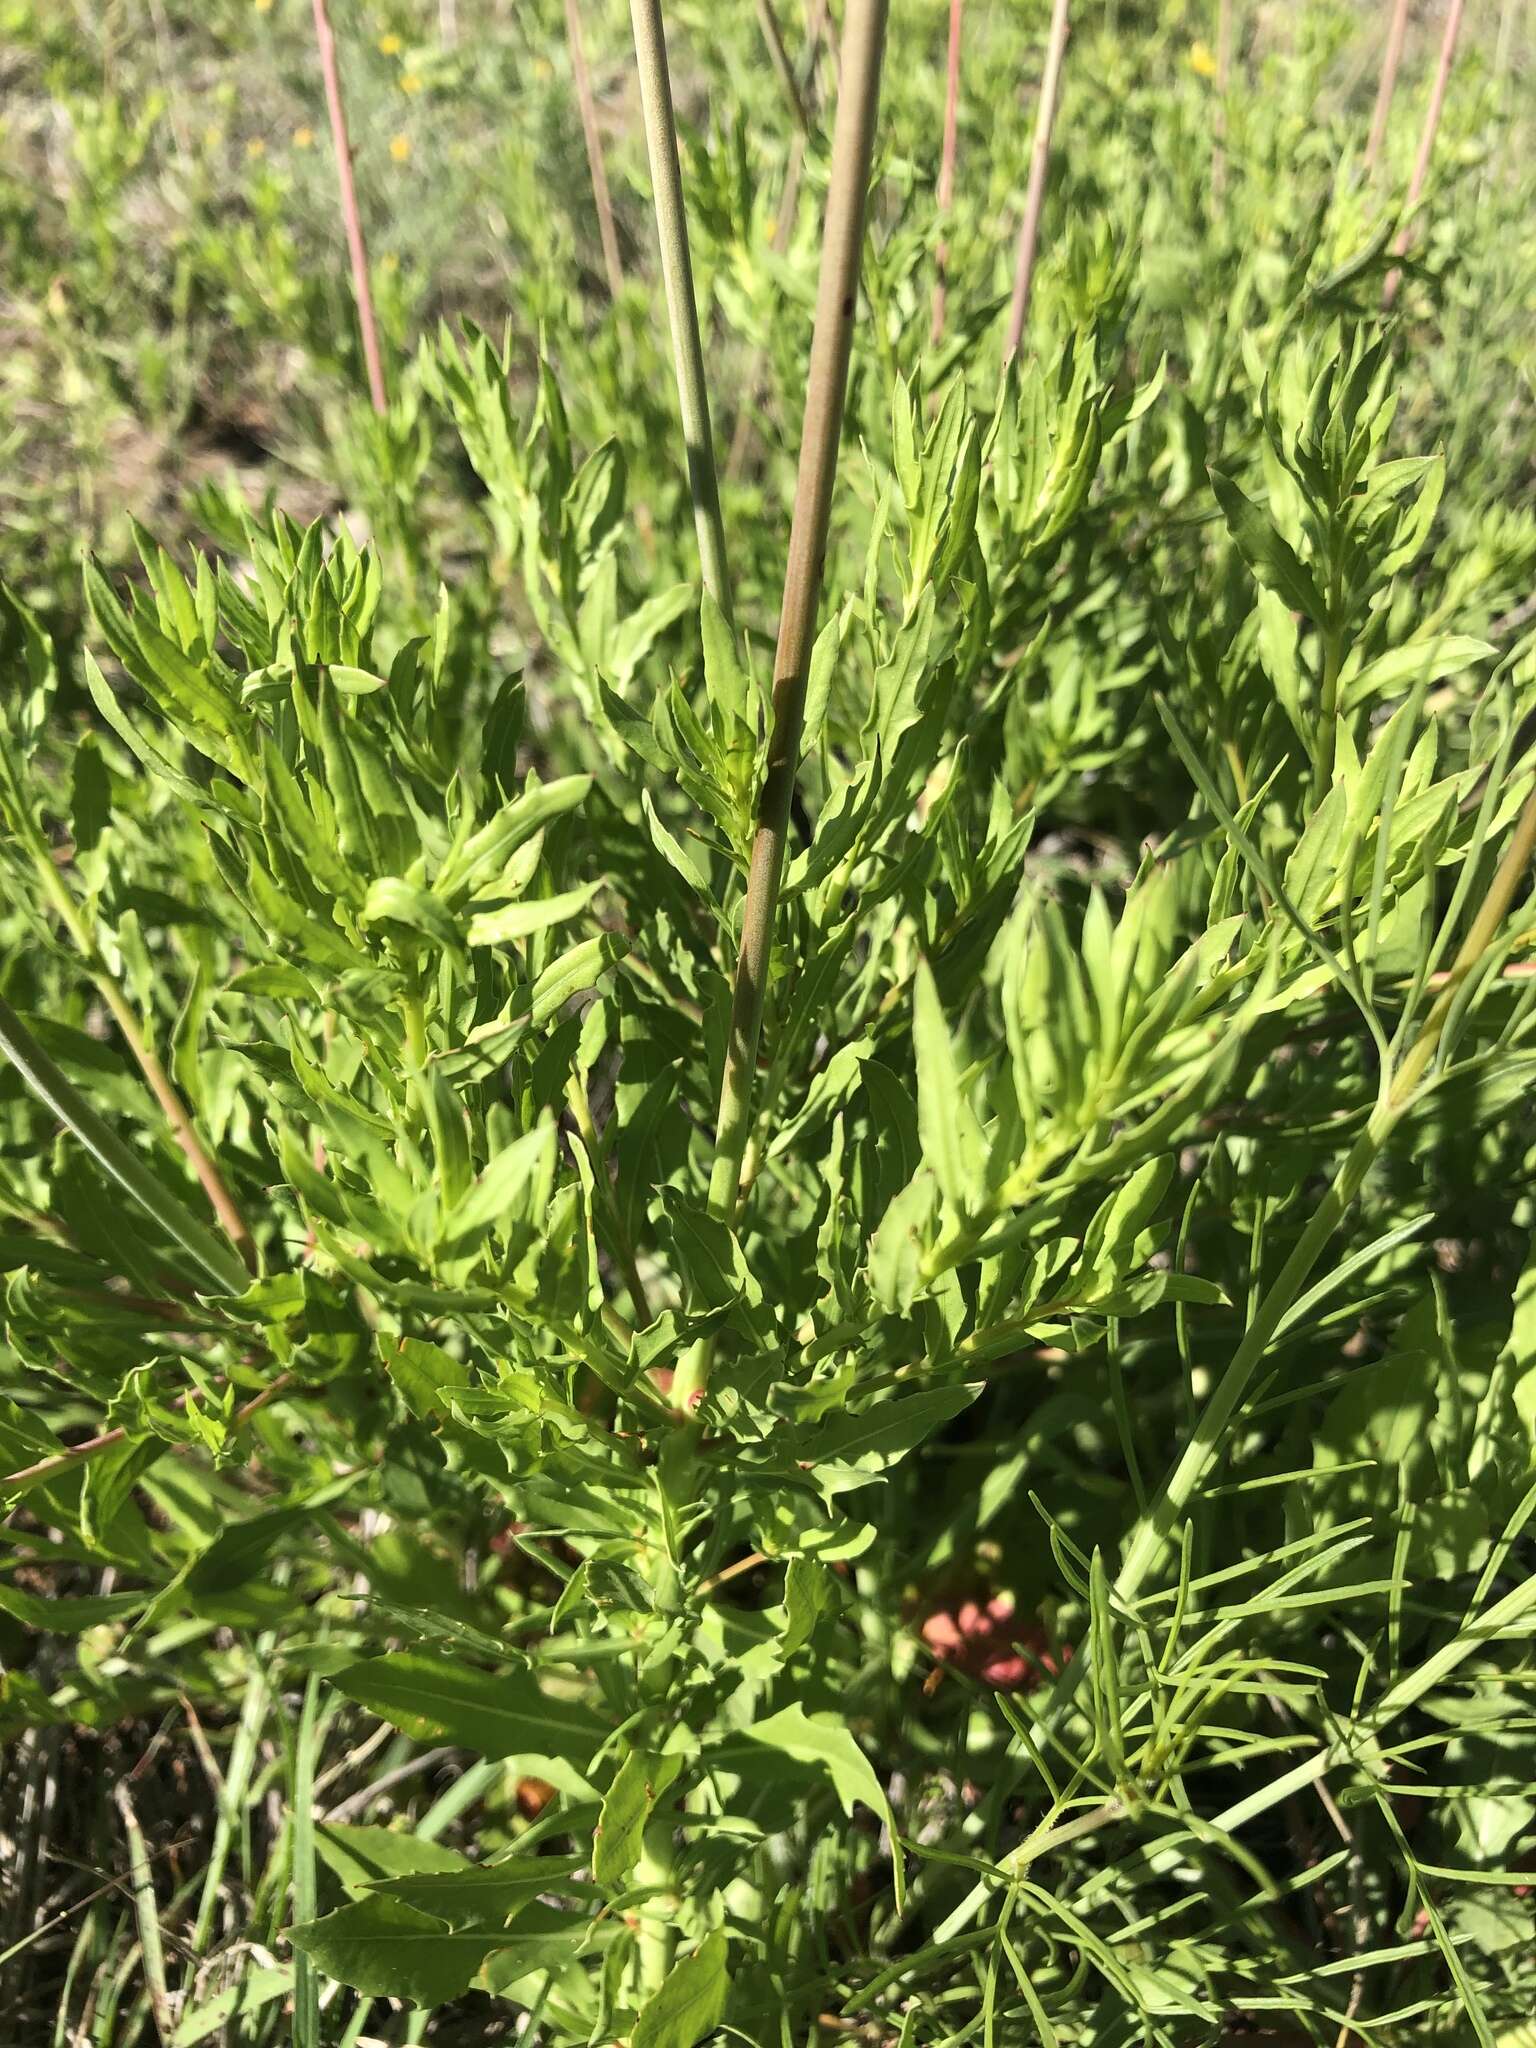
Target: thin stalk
point(779, 233)
point(596, 168)
point(1327, 713)
point(1431, 129)
point(1039, 164)
point(682, 309)
point(44, 1080)
point(146, 1915)
point(236, 1793)
point(351, 220)
point(1223, 84)
point(306, 1989)
point(177, 1115)
point(946, 191)
point(826, 388)
point(1391, 58)
point(657, 1931)
point(222, 1202)
point(783, 70)
point(65, 1460)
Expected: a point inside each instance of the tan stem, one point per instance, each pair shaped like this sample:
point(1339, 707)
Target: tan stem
point(66, 1460)
point(1391, 58)
point(783, 70)
point(351, 220)
point(1431, 129)
point(596, 168)
point(179, 1117)
point(1039, 164)
point(826, 389)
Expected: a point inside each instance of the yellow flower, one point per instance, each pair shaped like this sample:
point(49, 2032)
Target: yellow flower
point(212, 136)
point(263, 6)
point(255, 147)
point(389, 46)
point(542, 68)
point(400, 147)
point(303, 138)
point(410, 81)
point(1201, 60)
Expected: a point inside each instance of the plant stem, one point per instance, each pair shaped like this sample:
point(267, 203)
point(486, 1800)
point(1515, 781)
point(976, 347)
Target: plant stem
point(826, 387)
point(946, 191)
point(306, 1990)
point(1391, 58)
point(682, 309)
point(657, 1931)
point(784, 221)
point(1431, 129)
point(177, 1115)
point(594, 142)
point(146, 1914)
point(350, 218)
point(1328, 713)
point(45, 1081)
point(66, 1460)
point(1039, 164)
point(783, 70)
point(222, 1202)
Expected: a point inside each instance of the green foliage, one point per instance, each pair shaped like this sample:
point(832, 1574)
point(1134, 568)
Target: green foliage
point(1092, 1599)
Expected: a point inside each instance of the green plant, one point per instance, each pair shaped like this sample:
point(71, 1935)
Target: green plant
point(706, 1347)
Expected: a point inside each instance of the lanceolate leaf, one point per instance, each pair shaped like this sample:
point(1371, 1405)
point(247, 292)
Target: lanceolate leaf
point(690, 2003)
point(1266, 550)
point(388, 1949)
point(436, 1700)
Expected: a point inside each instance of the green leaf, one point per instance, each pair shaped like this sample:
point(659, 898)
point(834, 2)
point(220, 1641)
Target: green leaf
point(822, 1741)
point(217, 1262)
point(1434, 659)
point(1266, 550)
point(520, 920)
point(951, 1138)
point(359, 1856)
point(434, 1700)
point(627, 1807)
point(880, 1436)
point(690, 2003)
point(425, 1374)
point(252, 1989)
point(390, 1950)
point(673, 851)
point(391, 901)
point(479, 1895)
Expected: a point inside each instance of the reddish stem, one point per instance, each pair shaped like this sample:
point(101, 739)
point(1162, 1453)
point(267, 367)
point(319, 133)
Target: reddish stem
point(63, 1461)
point(351, 219)
point(1426, 142)
point(1391, 57)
